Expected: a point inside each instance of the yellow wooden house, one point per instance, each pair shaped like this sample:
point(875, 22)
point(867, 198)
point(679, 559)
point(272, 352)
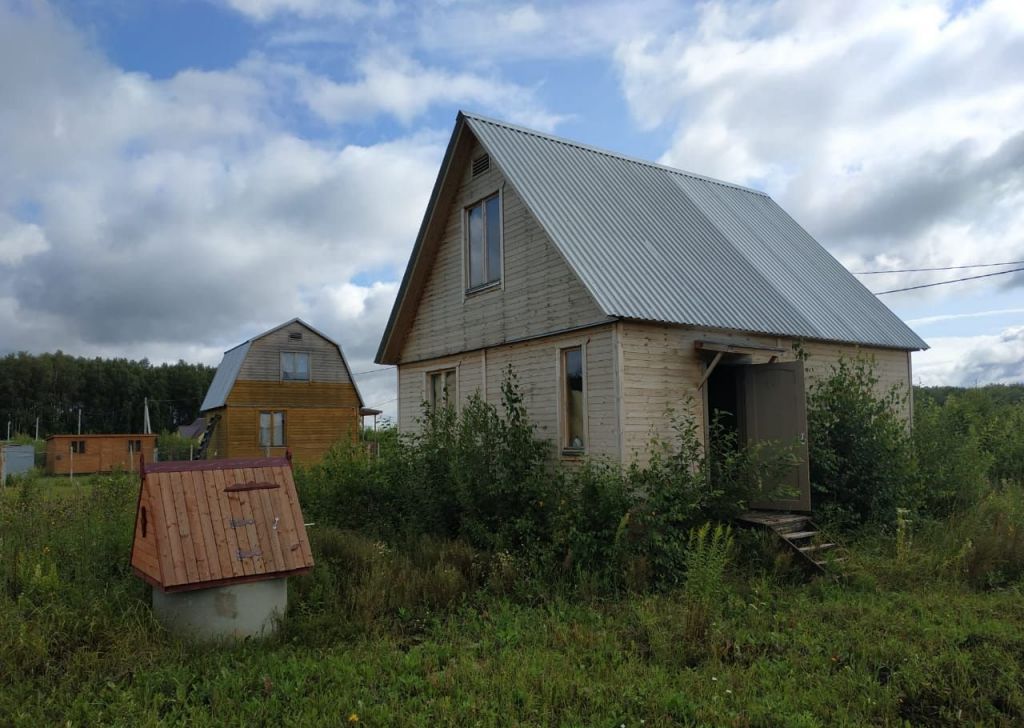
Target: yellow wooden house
point(290, 388)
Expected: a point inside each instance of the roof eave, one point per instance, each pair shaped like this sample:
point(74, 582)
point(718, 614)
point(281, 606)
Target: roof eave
point(385, 352)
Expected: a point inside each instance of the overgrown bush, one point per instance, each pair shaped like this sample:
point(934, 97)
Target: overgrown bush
point(860, 451)
point(953, 466)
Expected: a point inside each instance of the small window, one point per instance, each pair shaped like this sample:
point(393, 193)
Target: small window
point(295, 366)
point(78, 447)
point(483, 242)
point(135, 446)
point(271, 429)
point(442, 388)
point(574, 433)
point(295, 335)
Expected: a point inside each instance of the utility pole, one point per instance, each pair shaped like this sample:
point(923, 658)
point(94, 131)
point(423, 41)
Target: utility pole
point(79, 419)
point(37, 428)
point(146, 428)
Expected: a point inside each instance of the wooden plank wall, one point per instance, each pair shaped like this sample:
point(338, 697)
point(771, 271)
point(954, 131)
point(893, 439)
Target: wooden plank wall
point(263, 362)
point(103, 453)
point(538, 368)
point(661, 370)
point(309, 431)
point(540, 293)
point(144, 547)
point(292, 394)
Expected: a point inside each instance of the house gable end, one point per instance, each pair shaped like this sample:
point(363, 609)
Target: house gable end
point(538, 292)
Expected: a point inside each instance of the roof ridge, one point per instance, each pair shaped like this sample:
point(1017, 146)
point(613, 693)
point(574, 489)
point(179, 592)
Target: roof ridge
point(609, 153)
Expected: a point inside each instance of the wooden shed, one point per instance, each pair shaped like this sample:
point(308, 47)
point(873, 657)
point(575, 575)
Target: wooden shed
point(81, 454)
point(207, 524)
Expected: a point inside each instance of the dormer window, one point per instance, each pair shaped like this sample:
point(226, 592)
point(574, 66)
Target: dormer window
point(295, 366)
point(483, 243)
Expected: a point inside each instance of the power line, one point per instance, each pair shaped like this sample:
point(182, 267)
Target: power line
point(945, 283)
point(948, 267)
point(374, 371)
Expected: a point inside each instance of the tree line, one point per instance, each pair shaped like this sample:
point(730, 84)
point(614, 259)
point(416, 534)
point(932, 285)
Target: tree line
point(108, 394)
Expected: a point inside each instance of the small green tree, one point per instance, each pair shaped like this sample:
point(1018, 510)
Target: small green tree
point(861, 459)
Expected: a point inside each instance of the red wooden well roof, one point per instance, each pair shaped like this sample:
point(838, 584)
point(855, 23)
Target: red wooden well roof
point(207, 523)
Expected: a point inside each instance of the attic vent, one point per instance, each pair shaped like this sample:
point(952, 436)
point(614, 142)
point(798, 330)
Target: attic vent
point(481, 164)
point(295, 336)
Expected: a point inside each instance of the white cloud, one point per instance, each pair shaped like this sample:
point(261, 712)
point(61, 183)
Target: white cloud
point(925, 320)
point(970, 360)
point(264, 10)
point(891, 131)
point(174, 218)
point(20, 240)
point(394, 84)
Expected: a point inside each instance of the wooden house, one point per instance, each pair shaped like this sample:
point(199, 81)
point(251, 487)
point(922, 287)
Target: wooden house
point(81, 454)
point(289, 388)
point(207, 524)
point(620, 290)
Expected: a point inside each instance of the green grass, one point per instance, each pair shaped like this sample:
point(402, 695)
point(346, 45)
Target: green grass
point(51, 486)
point(899, 643)
point(814, 655)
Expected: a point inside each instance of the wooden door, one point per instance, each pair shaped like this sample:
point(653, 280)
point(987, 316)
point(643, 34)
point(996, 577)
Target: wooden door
point(775, 410)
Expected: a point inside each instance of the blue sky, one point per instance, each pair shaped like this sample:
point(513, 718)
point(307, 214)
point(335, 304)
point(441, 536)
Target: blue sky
point(181, 174)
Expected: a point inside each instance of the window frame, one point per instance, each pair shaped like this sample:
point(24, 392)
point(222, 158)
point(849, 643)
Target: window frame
point(498, 282)
point(309, 365)
point(272, 430)
point(563, 399)
point(428, 386)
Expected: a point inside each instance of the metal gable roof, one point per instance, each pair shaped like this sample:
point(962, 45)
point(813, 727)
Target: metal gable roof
point(654, 243)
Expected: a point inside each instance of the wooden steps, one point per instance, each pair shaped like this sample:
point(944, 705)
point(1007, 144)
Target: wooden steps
point(800, 534)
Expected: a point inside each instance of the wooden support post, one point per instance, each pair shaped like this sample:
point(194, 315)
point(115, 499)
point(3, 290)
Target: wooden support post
point(711, 368)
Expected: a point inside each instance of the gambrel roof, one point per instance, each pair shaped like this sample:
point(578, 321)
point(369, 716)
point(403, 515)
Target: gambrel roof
point(653, 243)
point(227, 372)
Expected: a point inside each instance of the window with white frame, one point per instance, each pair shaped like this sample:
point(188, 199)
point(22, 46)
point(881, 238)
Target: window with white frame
point(483, 243)
point(441, 388)
point(573, 403)
point(295, 366)
point(271, 429)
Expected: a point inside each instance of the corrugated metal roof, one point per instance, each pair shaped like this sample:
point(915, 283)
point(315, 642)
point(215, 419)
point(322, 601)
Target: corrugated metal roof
point(224, 378)
point(658, 244)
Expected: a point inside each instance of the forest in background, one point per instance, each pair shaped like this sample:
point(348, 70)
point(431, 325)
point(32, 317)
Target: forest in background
point(109, 392)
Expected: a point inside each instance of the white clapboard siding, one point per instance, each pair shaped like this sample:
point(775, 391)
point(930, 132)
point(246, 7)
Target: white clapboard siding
point(539, 293)
point(661, 369)
point(537, 368)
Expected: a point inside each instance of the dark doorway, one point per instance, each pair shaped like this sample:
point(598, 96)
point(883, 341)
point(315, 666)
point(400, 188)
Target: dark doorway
point(724, 406)
point(753, 403)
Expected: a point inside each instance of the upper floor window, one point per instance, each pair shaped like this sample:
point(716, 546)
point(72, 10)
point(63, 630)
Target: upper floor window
point(441, 388)
point(295, 366)
point(483, 242)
